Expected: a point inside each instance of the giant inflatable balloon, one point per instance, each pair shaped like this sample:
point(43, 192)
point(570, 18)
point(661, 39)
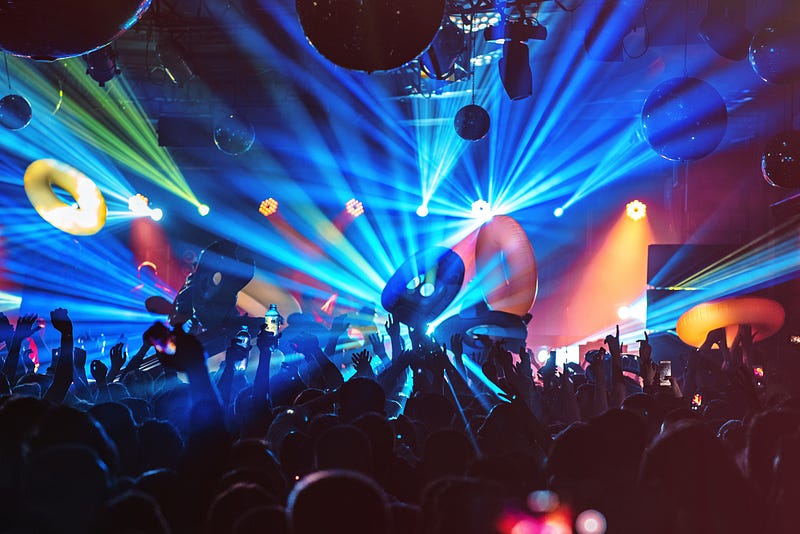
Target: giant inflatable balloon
point(85, 217)
point(370, 35)
point(423, 286)
point(765, 316)
point(773, 54)
point(780, 162)
point(55, 29)
point(684, 119)
point(504, 258)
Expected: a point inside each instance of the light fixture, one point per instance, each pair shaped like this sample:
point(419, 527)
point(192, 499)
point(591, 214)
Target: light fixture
point(515, 30)
point(440, 59)
point(268, 207)
point(354, 208)
point(203, 209)
point(481, 210)
point(558, 212)
point(139, 204)
point(101, 65)
point(422, 210)
point(515, 70)
point(636, 210)
point(172, 58)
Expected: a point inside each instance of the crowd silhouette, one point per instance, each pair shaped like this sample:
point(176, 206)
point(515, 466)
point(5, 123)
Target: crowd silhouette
point(465, 436)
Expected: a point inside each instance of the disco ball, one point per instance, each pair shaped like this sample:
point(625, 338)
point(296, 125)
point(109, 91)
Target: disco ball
point(684, 119)
point(774, 54)
point(15, 112)
point(55, 29)
point(472, 122)
point(780, 163)
point(370, 35)
point(234, 135)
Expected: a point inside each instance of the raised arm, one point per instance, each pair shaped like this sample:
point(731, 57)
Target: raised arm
point(26, 325)
point(64, 368)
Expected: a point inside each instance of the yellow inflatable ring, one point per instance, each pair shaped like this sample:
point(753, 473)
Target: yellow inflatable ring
point(765, 316)
point(90, 214)
point(505, 260)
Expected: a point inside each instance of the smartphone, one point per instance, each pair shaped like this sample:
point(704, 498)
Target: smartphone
point(161, 338)
point(664, 371)
point(758, 376)
point(794, 339)
point(697, 401)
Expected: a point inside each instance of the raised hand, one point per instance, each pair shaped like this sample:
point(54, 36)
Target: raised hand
point(99, 371)
point(27, 325)
point(266, 341)
point(614, 346)
point(361, 361)
point(392, 326)
point(6, 330)
point(118, 357)
point(79, 358)
point(377, 346)
point(61, 321)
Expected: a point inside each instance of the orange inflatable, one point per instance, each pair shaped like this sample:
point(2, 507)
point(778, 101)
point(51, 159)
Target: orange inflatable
point(506, 265)
point(765, 316)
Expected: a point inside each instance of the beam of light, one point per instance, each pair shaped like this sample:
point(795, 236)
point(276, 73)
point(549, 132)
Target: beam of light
point(464, 420)
point(636, 210)
point(118, 127)
point(615, 272)
point(476, 370)
point(766, 261)
point(9, 302)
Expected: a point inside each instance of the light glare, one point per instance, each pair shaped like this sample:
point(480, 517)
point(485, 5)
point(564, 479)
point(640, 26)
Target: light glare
point(636, 210)
point(203, 209)
point(558, 212)
point(422, 210)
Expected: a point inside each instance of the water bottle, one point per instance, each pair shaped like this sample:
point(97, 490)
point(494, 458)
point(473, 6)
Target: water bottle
point(273, 319)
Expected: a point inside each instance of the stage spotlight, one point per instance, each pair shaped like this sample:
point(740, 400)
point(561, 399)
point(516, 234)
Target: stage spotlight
point(268, 207)
point(515, 70)
point(203, 209)
point(558, 212)
point(636, 210)
point(172, 58)
point(422, 210)
point(156, 214)
point(102, 65)
point(481, 210)
point(624, 313)
point(516, 30)
point(354, 207)
point(139, 204)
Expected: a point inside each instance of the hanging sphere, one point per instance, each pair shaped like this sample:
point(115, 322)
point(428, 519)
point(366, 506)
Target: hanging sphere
point(54, 29)
point(780, 163)
point(370, 35)
point(472, 122)
point(774, 54)
point(234, 134)
point(15, 112)
point(684, 119)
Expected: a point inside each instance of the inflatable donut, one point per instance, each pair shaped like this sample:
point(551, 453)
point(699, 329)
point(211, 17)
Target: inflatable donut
point(505, 262)
point(90, 214)
point(764, 315)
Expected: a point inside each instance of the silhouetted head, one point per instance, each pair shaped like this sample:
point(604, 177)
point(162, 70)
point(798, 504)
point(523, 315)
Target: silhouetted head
point(338, 501)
